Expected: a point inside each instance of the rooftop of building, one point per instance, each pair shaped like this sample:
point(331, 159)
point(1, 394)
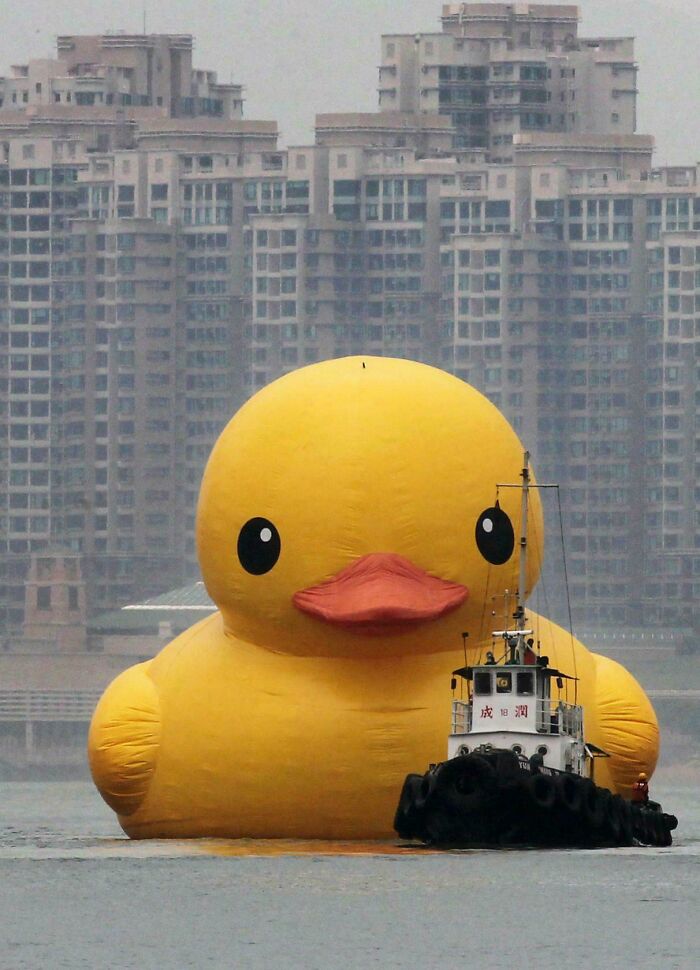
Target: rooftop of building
point(507, 11)
point(406, 120)
point(578, 141)
point(123, 39)
point(179, 607)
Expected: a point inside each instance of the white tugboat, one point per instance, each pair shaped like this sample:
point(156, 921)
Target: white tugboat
point(519, 770)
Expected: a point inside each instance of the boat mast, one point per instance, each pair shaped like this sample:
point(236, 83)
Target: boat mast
point(519, 614)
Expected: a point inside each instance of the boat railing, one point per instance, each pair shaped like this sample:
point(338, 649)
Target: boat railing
point(559, 717)
point(461, 717)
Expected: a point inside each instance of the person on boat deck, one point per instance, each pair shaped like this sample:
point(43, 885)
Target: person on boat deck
point(555, 718)
point(640, 790)
point(536, 762)
point(530, 655)
point(490, 659)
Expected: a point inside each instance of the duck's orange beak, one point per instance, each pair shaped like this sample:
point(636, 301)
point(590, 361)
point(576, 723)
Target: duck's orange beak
point(380, 593)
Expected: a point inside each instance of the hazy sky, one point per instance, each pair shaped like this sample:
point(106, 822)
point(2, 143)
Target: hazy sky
point(299, 57)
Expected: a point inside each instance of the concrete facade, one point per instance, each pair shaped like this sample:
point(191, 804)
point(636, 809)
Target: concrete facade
point(122, 70)
point(497, 70)
point(156, 269)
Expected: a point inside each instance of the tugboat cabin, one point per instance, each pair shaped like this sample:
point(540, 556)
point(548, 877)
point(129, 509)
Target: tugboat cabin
point(510, 705)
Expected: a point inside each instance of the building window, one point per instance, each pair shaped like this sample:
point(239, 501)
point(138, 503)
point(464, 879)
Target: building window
point(43, 597)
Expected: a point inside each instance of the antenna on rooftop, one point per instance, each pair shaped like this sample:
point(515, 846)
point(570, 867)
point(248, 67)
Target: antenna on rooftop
point(145, 14)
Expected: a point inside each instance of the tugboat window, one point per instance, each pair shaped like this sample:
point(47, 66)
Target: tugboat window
point(504, 683)
point(482, 683)
point(526, 683)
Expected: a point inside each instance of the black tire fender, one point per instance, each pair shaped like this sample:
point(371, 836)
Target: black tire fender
point(671, 822)
point(542, 791)
point(408, 816)
point(569, 793)
point(592, 806)
point(508, 770)
point(610, 813)
point(465, 774)
point(625, 813)
point(424, 791)
point(621, 823)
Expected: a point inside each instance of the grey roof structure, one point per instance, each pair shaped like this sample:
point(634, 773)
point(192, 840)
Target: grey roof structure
point(179, 607)
point(192, 597)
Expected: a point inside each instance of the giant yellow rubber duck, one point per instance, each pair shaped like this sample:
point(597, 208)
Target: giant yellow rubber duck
point(348, 532)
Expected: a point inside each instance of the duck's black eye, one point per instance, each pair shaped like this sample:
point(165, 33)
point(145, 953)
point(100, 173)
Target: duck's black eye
point(494, 535)
point(258, 546)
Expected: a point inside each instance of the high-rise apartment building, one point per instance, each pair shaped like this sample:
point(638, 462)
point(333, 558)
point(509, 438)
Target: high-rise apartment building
point(120, 305)
point(122, 70)
point(499, 69)
point(160, 262)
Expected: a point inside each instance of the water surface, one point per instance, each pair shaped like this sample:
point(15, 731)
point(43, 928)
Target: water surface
point(75, 893)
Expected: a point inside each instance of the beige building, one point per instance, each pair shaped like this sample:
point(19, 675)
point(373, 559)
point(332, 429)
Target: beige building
point(122, 70)
point(497, 70)
point(119, 337)
point(157, 268)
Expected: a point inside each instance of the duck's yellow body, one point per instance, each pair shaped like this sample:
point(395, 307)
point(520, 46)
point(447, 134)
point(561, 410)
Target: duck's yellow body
point(338, 531)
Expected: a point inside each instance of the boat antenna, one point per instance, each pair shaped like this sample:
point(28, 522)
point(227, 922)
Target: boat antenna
point(465, 634)
point(519, 614)
point(542, 601)
point(568, 598)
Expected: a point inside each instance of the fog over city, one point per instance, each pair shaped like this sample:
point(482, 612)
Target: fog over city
point(281, 691)
point(486, 202)
point(300, 57)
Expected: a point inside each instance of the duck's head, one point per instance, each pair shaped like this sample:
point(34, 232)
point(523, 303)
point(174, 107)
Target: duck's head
point(350, 509)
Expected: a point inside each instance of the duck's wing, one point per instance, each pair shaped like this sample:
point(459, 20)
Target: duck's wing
point(627, 727)
point(124, 739)
point(618, 716)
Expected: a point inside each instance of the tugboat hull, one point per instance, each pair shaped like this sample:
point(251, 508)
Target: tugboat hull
point(495, 799)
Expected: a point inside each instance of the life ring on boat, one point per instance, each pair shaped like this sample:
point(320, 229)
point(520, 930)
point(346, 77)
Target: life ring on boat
point(569, 793)
point(592, 808)
point(542, 791)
